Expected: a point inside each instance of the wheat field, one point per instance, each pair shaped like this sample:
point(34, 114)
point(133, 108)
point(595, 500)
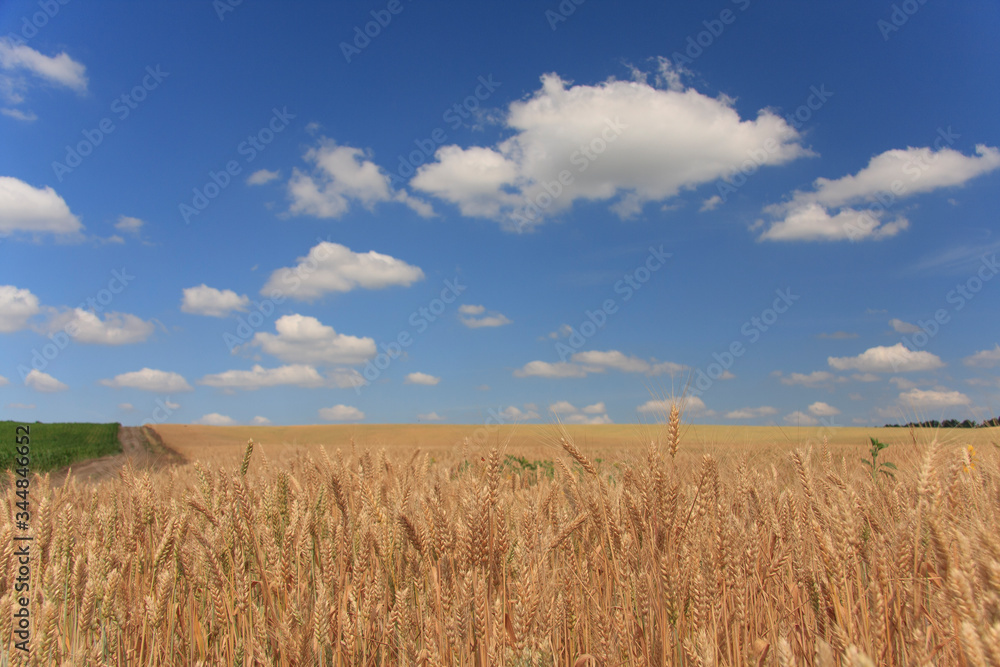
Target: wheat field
point(666, 552)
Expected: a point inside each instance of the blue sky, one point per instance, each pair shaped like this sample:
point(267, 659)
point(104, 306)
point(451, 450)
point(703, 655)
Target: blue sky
point(521, 211)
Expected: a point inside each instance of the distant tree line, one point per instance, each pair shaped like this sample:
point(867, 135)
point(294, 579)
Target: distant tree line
point(948, 423)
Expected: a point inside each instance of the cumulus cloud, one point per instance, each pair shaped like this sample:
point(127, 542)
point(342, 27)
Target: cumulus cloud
point(981, 359)
point(933, 398)
point(31, 210)
point(814, 379)
point(622, 142)
point(421, 378)
point(865, 377)
point(545, 369)
point(86, 326)
point(821, 409)
point(331, 267)
point(262, 176)
point(832, 209)
point(305, 340)
point(17, 306)
point(4, 381)
point(299, 375)
point(340, 176)
point(215, 419)
point(570, 414)
point(341, 413)
point(43, 382)
point(473, 317)
point(688, 404)
point(430, 417)
point(260, 421)
point(882, 359)
point(512, 413)
point(205, 300)
point(598, 361)
point(899, 326)
point(751, 413)
point(150, 379)
point(60, 70)
point(129, 225)
point(799, 418)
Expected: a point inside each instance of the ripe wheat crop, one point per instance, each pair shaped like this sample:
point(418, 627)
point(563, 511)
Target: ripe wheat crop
point(367, 558)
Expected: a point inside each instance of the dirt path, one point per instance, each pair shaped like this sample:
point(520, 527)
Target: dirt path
point(141, 446)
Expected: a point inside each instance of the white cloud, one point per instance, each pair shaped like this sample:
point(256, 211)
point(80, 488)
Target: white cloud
point(149, 379)
point(865, 377)
point(21, 406)
point(86, 326)
point(430, 417)
point(262, 176)
point(624, 363)
point(331, 267)
point(494, 319)
point(205, 300)
point(981, 359)
point(813, 379)
point(24, 208)
point(752, 413)
point(881, 359)
point(342, 175)
point(43, 382)
point(544, 369)
point(829, 212)
point(799, 418)
point(215, 419)
point(18, 114)
point(568, 413)
point(821, 409)
point(625, 142)
point(305, 340)
point(299, 375)
point(688, 404)
point(60, 70)
point(562, 407)
point(341, 413)
point(128, 225)
point(260, 421)
point(421, 378)
point(512, 413)
point(899, 326)
point(903, 383)
point(932, 398)
point(17, 306)
point(710, 204)
point(126, 407)
point(4, 381)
